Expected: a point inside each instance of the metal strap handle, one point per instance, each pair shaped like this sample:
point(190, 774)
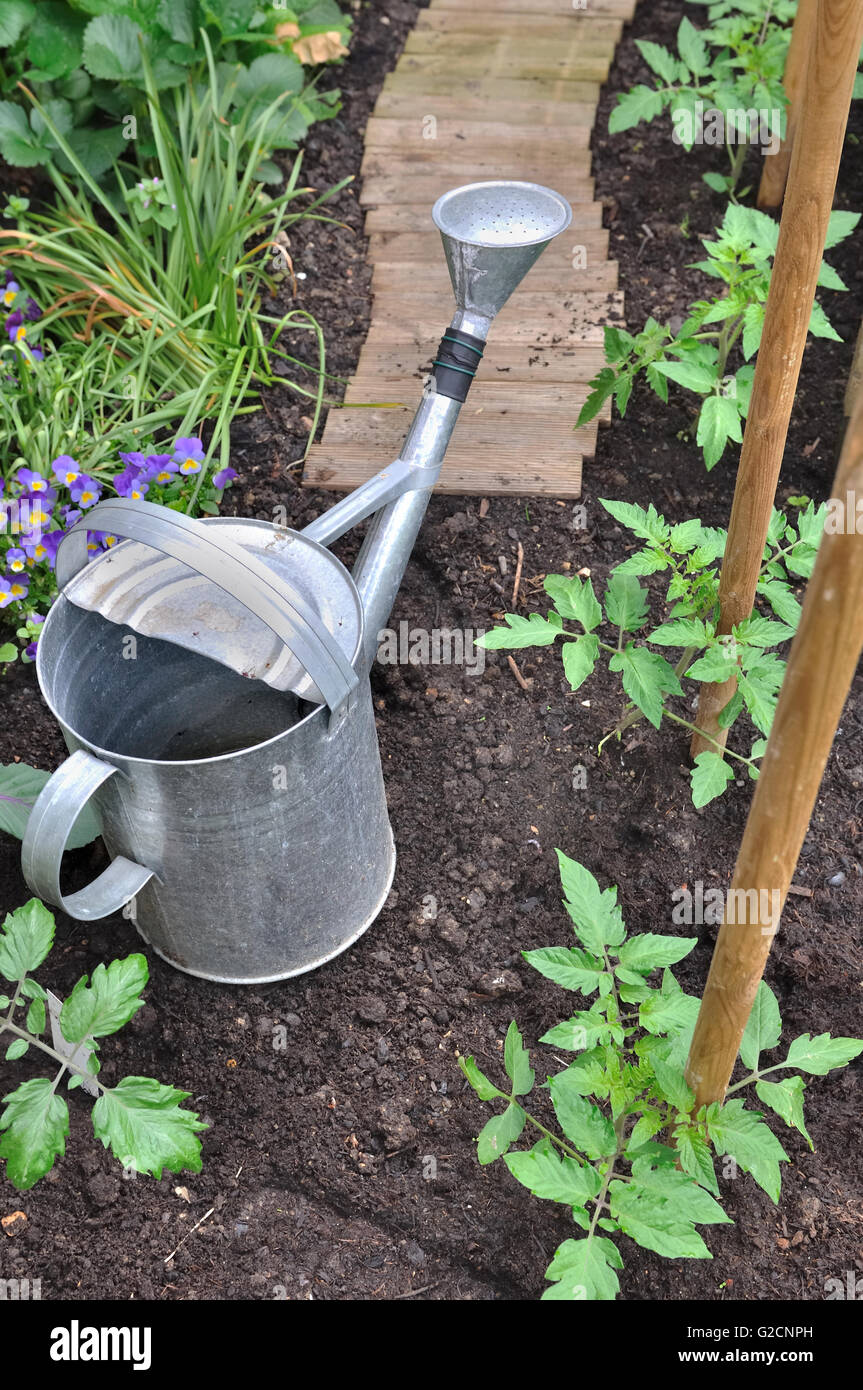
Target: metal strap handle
point(230, 568)
point(49, 826)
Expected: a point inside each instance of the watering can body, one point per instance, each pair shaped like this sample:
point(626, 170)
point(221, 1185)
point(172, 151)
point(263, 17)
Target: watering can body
point(211, 679)
point(247, 826)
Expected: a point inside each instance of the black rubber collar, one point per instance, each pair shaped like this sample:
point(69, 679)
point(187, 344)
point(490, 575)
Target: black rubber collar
point(455, 366)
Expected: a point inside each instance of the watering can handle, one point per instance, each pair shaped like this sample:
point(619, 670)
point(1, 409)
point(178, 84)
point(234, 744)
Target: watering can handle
point(49, 826)
point(220, 560)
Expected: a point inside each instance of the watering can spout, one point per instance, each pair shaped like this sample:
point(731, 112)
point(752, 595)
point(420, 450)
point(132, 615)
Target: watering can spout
point(492, 234)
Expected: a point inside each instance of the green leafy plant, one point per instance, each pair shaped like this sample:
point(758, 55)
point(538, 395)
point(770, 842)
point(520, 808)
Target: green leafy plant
point(176, 311)
point(697, 356)
point(689, 554)
point(20, 785)
point(88, 63)
point(27, 635)
point(630, 1154)
point(733, 67)
point(140, 1120)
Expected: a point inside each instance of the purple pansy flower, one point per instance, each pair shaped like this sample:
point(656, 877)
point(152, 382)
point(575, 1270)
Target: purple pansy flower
point(224, 477)
point(86, 491)
point(32, 481)
point(33, 513)
point(13, 587)
point(65, 469)
point(32, 310)
point(125, 481)
point(16, 559)
point(34, 619)
point(189, 454)
point(164, 468)
point(15, 327)
point(12, 288)
point(31, 542)
point(51, 543)
point(134, 460)
point(34, 543)
point(97, 541)
point(70, 516)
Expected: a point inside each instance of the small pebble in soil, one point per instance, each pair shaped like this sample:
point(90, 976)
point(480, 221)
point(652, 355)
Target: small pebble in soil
point(396, 1128)
point(450, 932)
point(836, 880)
point(370, 1009)
point(498, 982)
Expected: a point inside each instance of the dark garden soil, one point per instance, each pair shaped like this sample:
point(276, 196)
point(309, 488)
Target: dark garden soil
point(343, 1167)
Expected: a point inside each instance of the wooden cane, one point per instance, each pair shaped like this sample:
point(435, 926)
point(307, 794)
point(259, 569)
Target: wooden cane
point(774, 174)
point(805, 216)
point(821, 666)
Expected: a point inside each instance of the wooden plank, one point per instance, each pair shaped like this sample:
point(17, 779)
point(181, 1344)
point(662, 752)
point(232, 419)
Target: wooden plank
point(622, 9)
point(538, 318)
point(588, 245)
point(528, 397)
point(522, 158)
point(471, 20)
point(580, 362)
point(488, 46)
point(390, 278)
point(529, 108)
point(558, 91)
point(550, 470)
point(512, 431)
point(502, 65)
point(410, 217)
point(427, 188)
point(425, 139)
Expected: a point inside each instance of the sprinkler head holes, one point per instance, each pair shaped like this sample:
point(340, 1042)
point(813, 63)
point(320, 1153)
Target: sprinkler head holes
point(492, 234)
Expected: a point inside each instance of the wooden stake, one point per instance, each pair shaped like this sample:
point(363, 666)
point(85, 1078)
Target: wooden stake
point(821, 667)
point(805, 215)
point(855, 379)
point(774, 175)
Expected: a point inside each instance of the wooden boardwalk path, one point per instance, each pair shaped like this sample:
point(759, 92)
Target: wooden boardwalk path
point(484, 89)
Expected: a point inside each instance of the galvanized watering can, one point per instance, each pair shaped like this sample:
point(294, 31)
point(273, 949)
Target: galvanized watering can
point(211, 679)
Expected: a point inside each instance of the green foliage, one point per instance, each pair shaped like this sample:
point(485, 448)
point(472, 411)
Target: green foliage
point(154, 323)
point(734, 66)
point(689, 554)
point(625, 1087)
point(697, 357)
point(139, 1119)
point(20, 785)
point(89, 62)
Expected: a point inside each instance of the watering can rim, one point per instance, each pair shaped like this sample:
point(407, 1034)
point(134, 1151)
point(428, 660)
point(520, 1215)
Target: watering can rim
point(486, 185)
point(261, 590)
point(112, 755)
